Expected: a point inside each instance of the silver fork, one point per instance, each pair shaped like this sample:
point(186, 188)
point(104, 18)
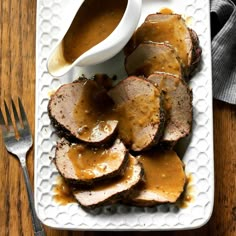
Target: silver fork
point(19, 143)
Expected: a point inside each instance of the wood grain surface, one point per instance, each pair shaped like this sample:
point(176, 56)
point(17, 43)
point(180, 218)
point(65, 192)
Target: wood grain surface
point(17, 78)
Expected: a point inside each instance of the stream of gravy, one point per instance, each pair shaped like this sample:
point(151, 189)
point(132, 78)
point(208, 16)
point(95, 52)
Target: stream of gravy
point(95, 21)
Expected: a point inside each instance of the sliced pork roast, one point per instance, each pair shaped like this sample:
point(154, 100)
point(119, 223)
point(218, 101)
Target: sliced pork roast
point(178, 106)
point(82, 164)
point(139, 109)
point(113, 190)
point(164, 178)
point(150, 57)
point(82, 109)
point(170, 28)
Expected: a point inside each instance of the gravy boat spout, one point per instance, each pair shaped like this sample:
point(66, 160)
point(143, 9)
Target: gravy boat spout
point(59, 65)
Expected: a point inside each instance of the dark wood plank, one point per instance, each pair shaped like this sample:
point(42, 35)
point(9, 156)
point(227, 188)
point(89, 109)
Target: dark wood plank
point(224, 217)
point(17, 78)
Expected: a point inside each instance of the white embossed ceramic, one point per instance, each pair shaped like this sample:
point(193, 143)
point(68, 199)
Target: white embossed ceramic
point(100, 52)
point(196, 151)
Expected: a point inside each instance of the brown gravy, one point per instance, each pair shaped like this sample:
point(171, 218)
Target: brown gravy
point(187, 196)
point(166, 60)
point(166, 10)
point(118, 181)
point(172, 30)
point(89, 163)
point(134, 115)
point(63, 194)
point(164, 173)
point(164, 86)
point(93, 111)
point(95, 21)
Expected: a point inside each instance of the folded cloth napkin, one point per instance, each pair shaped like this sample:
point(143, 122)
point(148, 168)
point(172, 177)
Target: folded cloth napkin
point(223, 29)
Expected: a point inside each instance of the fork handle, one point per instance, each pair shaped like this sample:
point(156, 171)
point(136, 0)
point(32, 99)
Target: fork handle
point(38, 229)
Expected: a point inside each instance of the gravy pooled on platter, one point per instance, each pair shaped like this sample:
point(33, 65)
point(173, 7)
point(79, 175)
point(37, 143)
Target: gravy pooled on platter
point(62, 192)
point(94, 22)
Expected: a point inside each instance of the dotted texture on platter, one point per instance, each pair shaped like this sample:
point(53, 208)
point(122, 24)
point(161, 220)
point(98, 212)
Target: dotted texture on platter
point(196, 150)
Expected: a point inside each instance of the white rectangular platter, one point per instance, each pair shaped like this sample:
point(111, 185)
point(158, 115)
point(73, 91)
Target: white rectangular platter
point(197, 154)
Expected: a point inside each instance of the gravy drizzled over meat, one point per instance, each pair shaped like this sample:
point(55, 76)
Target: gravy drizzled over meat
point(93, 111)
point(111, 192)
point(139, 112)
point(83, 164)
point(95, 21)
point(146, 114)
point(164, 178)
point(83, 110)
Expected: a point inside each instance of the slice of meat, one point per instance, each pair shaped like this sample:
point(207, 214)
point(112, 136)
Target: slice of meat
point(81, 164)
point(140, 112)
point(82, 110)
point(150, 57)
point(178, 106)
point(164, 178)
point(196, 52)
point(170, 28)
point(112, 191)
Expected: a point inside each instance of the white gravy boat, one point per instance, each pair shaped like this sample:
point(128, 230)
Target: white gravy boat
point(58, 66)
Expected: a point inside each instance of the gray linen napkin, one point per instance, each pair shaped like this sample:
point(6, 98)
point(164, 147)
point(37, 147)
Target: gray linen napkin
point(223, 26)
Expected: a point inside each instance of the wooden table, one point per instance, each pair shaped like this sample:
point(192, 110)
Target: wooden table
point(17, 78)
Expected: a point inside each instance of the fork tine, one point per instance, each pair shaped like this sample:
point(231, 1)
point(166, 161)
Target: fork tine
point(9, 121)
point(17, 120)
point(2, 123)
point(23, 115)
